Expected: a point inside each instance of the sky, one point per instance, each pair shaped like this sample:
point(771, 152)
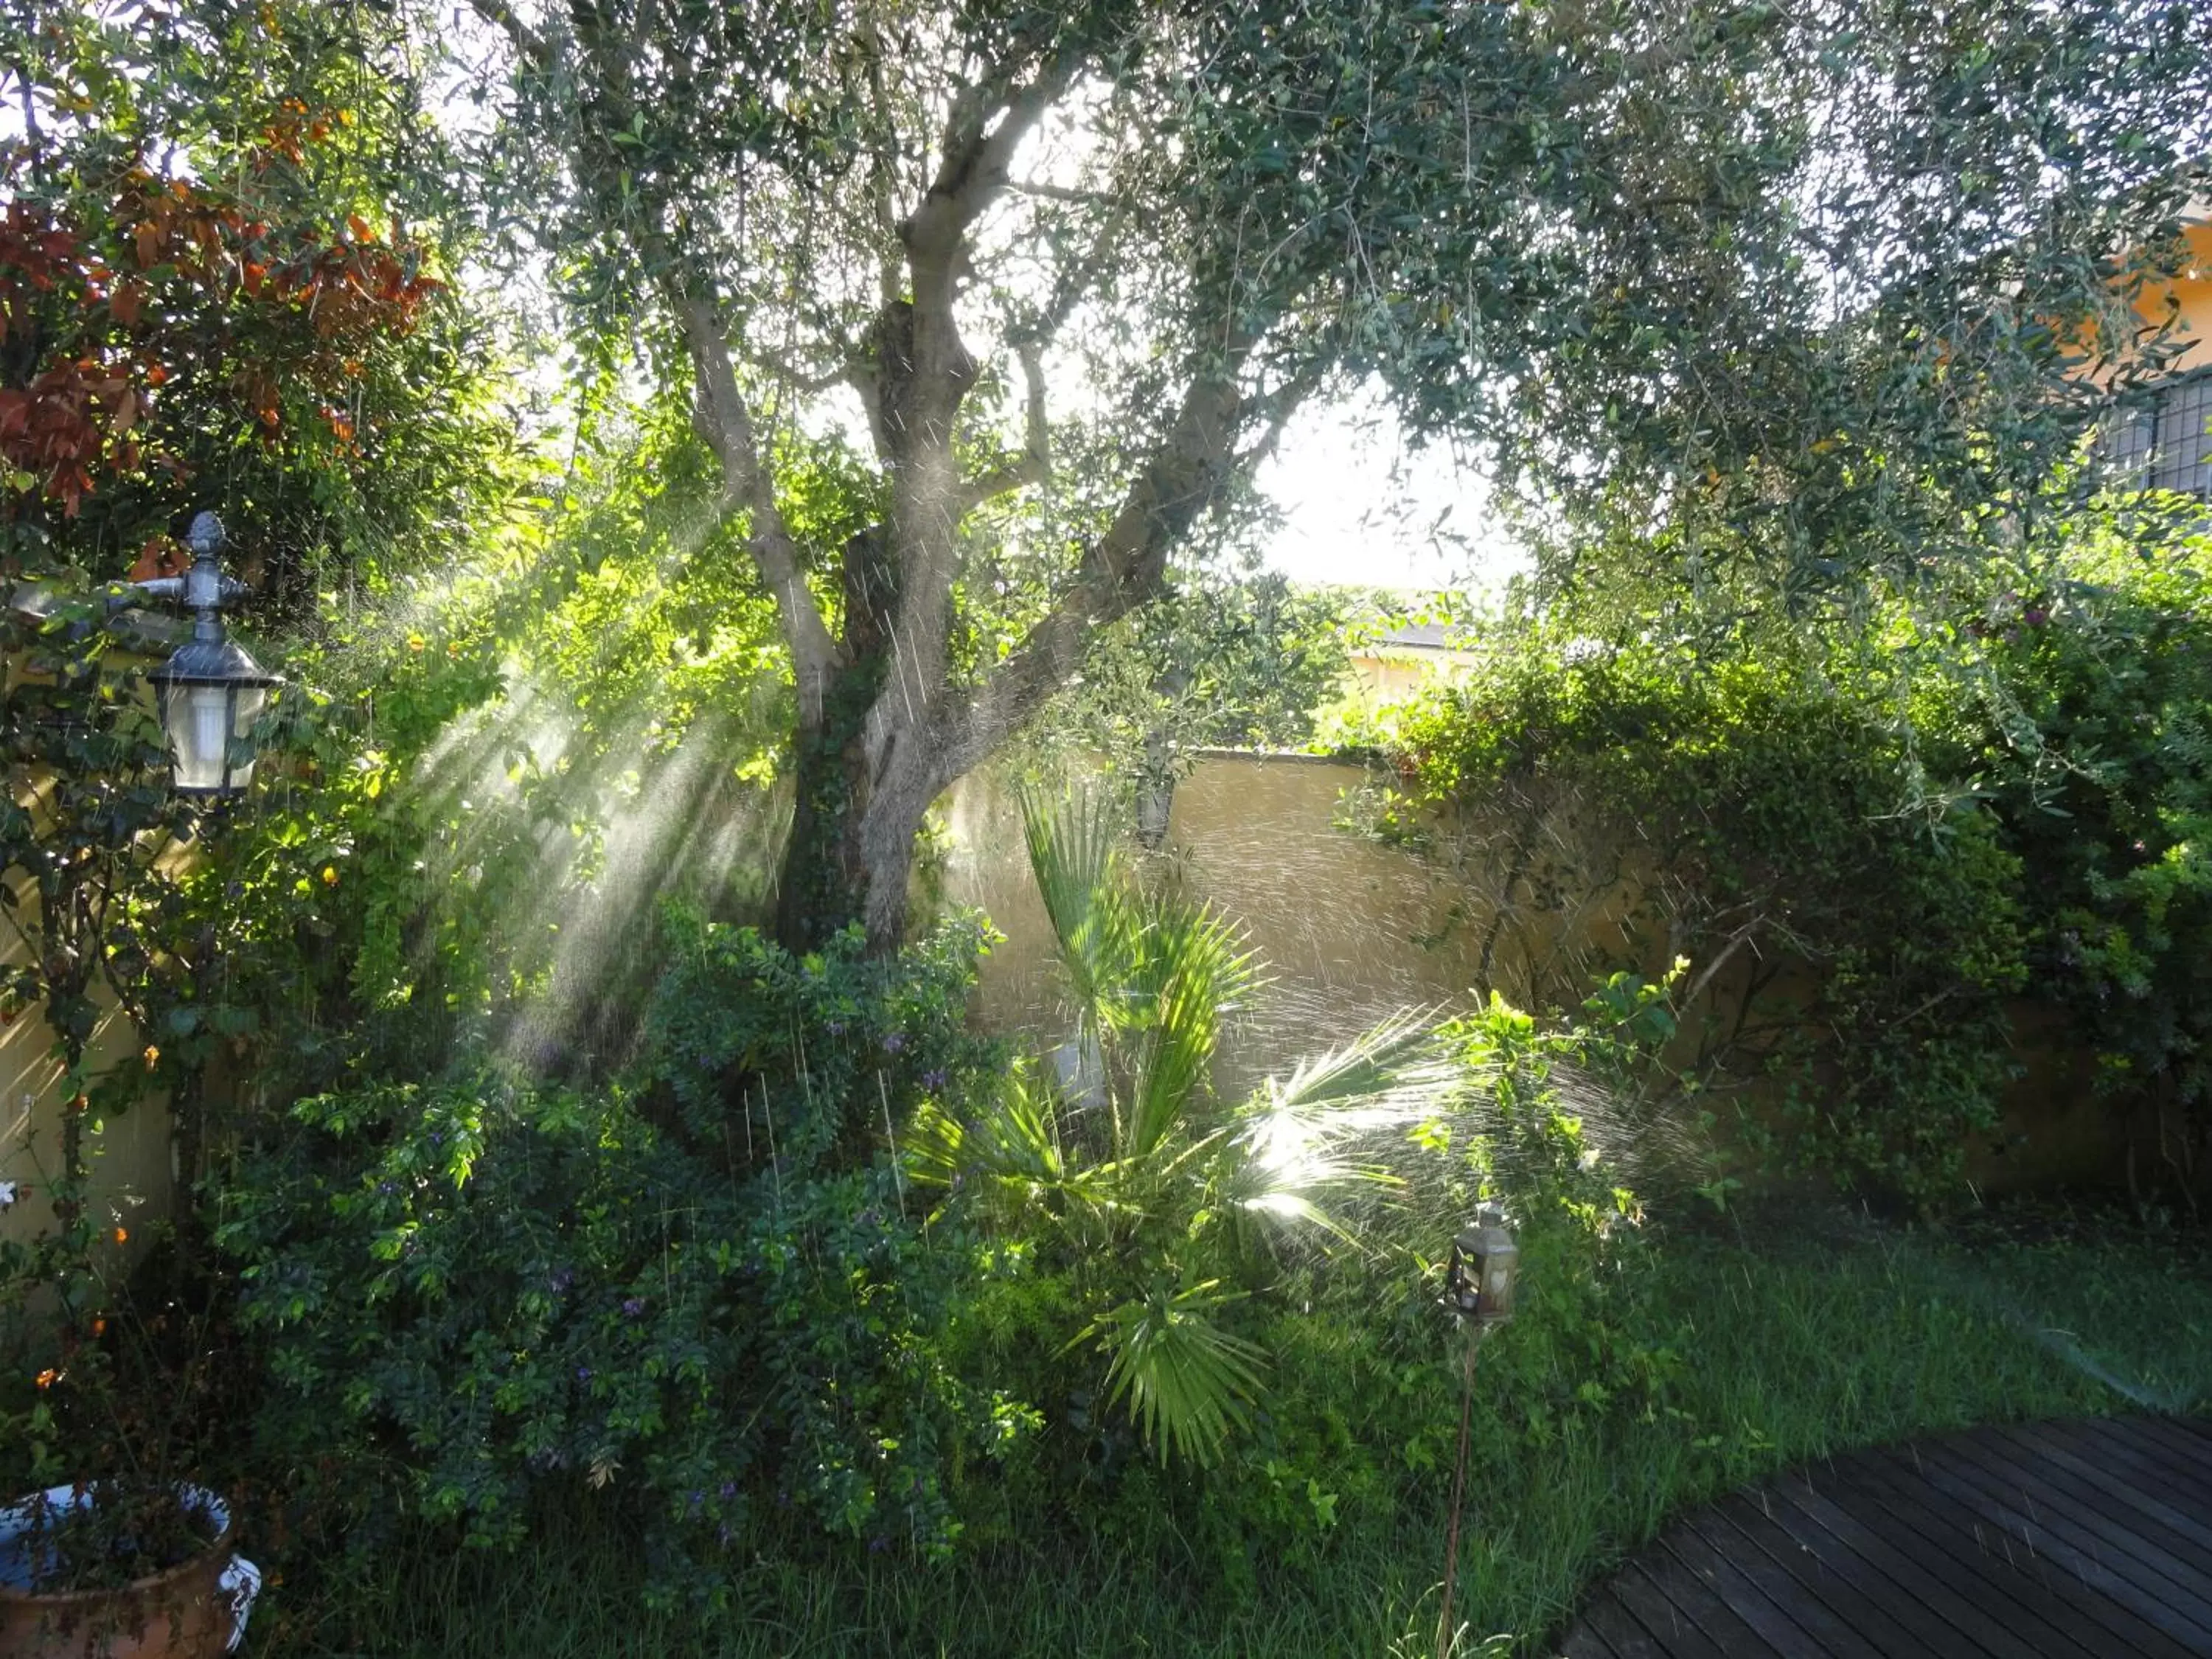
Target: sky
point(1358, 506)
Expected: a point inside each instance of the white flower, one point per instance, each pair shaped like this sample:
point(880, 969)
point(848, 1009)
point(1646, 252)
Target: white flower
point(9, 1192)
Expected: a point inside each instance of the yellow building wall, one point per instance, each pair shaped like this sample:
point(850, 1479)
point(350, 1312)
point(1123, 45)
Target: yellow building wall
point(130, 1154)
point(2187, 298)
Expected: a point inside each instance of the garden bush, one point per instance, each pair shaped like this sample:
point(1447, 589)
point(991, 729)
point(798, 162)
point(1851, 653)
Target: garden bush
point(1754, 811)
point(1888, 828)
point(2099, 761)
point(701, 1294)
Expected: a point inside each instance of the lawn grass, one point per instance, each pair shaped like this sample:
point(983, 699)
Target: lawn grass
point(1791, 1345)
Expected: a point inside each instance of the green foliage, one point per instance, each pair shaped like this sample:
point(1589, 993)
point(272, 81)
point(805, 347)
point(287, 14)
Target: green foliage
point(195, 313)
point(1749, 803)
point(2108, 665)
point(686, 1297)
point(218, 296)
point(1814, 286)
point(1227, 662)
point(1157, 1202)
point(1874, 832)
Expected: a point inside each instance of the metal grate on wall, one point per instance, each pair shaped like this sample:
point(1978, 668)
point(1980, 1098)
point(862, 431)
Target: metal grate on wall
point(2167, 446)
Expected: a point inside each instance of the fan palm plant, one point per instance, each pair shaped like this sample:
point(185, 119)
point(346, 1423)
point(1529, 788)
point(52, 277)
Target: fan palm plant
point(1167, 1203)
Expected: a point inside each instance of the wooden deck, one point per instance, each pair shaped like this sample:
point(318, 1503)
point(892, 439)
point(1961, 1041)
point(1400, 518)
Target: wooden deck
point(2047, 1541)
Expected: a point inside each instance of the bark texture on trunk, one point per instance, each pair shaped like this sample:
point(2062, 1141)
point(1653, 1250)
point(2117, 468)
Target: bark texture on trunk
point(885, 722)
point(851, 849)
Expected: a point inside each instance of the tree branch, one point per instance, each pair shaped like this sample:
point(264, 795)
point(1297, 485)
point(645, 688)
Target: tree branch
point(527, 41)
point(799, 380)
point(1035, 464)
point(726, 424)
point(1122, 569)
point(1052, 192)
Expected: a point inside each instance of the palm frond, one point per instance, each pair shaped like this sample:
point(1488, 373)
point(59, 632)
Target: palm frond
point(1385, 1070)
point(1008, 1157)
point(1193, 972)
point(1078, 876)
point(1296, 1141)
point(1188, 1382)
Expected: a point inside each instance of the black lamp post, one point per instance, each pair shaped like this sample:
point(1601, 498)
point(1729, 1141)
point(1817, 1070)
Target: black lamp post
point(1479, 1277)
point(211, 692)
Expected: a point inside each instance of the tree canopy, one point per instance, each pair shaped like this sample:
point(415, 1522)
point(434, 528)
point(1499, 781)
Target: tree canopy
point(1817, 283)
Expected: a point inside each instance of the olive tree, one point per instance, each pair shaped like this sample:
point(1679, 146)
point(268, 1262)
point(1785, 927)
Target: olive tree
point(1820, 274)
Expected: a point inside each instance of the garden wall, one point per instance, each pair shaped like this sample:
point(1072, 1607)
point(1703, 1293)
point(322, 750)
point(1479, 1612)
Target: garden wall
point(131, 1167)
point(1353, 929)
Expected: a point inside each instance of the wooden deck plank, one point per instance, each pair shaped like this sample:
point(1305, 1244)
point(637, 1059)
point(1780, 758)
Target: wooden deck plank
point(2055, 1603)
point(2038, 1542)
point(1583, 1643)
point(2172, 1438)
point(2049, 1575)
point(1837, 1578)
point(2147, 1484)
point(1740, 1557)
point(1673, 1630)
point(1619, 1629)
point(1770, 1620)
point(1722, 1625)
point(2125, 1555)
point(1903, 1576)
point(2152, 1602)
point(2125, 1509)
point(1872, 1578)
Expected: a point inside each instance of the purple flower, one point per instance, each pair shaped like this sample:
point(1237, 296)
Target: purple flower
point(836, 1027)
point(387, 1188)
point(895, 1041)
point(722, 1533)
point(697, 1497)
point(933, 1078)
point(878, 1544)
point(583, 1373)
point(729, 1490)
point(2035, 617)
point(633, 1306)
point(560, 1279)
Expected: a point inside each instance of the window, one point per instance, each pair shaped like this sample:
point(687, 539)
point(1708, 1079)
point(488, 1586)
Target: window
point(2166, 444)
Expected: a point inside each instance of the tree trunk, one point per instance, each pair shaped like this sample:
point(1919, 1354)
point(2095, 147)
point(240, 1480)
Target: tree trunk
point(864, 777)
point(852, 839)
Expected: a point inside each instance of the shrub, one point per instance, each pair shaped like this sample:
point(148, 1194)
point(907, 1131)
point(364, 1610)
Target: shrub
point(1751, 808)
point(2107, 668)
point(699, 1293)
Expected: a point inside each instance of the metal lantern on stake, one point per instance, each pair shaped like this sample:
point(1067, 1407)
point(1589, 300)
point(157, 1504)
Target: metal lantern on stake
point(211, 692)
point(1480, 1278)
point(1485, 1264)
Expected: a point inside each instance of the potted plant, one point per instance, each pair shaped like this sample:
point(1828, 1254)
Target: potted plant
point(104, 1568)
point(108, 1413)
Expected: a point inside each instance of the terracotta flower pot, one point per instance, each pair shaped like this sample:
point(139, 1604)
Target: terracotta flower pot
point(194, 1610)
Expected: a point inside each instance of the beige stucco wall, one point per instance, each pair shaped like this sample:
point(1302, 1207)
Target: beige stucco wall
point(129, 1153)
point(1353, 929)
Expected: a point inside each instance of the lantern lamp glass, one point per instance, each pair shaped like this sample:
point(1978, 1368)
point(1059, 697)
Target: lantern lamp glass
point(211, 735)
point(212, 694)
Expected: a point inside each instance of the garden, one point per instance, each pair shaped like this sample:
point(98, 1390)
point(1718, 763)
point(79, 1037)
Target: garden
point(529, 531)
